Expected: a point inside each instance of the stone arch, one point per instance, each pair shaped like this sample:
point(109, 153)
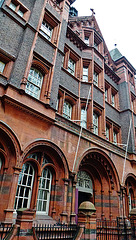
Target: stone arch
point(50, 145)
point(106, 182)
point(11, 138)
point(108, 163)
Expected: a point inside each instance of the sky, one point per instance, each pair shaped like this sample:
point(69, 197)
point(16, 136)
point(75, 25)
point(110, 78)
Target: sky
point(117, 22)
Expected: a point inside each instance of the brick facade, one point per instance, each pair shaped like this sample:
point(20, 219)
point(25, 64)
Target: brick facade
point(43, 144)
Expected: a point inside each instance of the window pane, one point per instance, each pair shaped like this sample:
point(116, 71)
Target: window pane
point(85, 74)
point(95, 123)
point(46, 30)
point(83, 117)
point(2, 66)
point(23, 193)
point(34, 83)
point(20, 13)
point(12, 6)
point(71, 66)
point(44, 191)
point(67, 110)
point(95, 78)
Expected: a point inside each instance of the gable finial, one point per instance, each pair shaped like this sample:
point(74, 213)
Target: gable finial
point(93, 12)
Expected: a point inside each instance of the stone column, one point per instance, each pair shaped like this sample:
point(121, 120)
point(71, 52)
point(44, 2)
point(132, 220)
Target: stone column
point(25, 222)
point(87, 221)
point(64, 214)
point(10, 209)
point(73, 214)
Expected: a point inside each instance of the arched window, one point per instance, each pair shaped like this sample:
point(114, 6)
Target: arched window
point(67, 110)
point(44, 191)
point(34, 83)
point(24, 188)
point(83, 118)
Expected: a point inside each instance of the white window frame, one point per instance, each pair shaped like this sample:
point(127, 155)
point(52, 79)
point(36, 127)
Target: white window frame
point(20, 186)
point(46, 30)
point(34, 84)
point(44, 192)
point(85, 74)
point(2, 66)
point(71, 66)
point(95, 123)
point(95, 78)
point(83, 122)
point(67, 110)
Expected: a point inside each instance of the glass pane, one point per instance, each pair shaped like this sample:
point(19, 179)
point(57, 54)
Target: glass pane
point(29, 181)
point(20, 13)
point(12, 6)
point(21, 191)
point(43, 183)
point(27, 192)
point(25, 203)
point(44, 206)
point(40, 194)
point(39, 205)
point(47, 184)
point(26, 166)
point(2, 66)
point(24, 180)
point(45, 195)
point(19, 203)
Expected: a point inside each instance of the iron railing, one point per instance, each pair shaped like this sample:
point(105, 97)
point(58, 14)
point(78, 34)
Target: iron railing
point(63, 231)
point(119, 229)
point(5, 229)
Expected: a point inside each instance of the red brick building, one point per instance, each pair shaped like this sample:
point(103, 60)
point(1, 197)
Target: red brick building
point(67, 107)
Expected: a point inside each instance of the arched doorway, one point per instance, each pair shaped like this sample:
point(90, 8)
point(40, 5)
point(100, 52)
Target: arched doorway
point(98, 182)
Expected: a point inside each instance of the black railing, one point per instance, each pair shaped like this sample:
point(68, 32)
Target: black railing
point(119, 229)
point(5, 229)
point(133, 227)
point(64, 231)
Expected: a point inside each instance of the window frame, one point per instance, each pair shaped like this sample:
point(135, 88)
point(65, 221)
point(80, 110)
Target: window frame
point(19, 7)
point(47, 200)
point(20, 185)
point(96, 81)
point(83, 119)
point(8, 65)
point(27, 90)
point(68, 105)
point(95, 126)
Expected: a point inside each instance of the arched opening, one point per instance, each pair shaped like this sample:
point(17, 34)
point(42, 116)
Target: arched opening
point(97, 182)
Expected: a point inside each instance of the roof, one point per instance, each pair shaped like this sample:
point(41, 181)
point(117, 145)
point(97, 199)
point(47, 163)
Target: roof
point(115, 54)
point(117, 57)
